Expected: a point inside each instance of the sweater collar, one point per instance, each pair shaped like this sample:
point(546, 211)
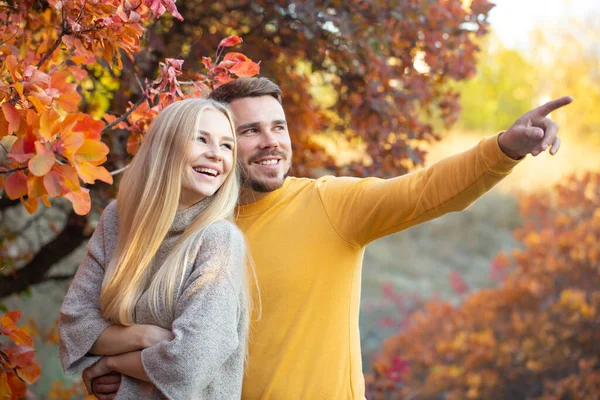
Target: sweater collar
point(183, 218)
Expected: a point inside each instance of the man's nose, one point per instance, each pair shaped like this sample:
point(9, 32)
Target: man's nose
point(269, 139)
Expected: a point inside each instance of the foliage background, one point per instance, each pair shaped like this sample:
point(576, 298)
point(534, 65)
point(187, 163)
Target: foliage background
point(439, 273)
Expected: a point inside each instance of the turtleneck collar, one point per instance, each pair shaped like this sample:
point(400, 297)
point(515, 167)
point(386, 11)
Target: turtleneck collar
point(183, 218)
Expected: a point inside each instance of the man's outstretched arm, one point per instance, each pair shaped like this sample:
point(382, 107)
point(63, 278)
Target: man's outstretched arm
point(362, 210)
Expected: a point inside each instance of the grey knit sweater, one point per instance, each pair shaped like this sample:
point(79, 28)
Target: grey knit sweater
point(205, 360)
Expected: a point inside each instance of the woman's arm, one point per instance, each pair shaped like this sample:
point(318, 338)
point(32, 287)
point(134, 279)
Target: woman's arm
point(118, 339)
point(81, 321)
point(207, 316)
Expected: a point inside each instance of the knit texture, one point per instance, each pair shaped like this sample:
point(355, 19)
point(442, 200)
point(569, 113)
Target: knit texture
point(205, 360)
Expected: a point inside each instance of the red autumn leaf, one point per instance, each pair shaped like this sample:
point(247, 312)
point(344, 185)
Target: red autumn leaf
point(5, 387)
point(12, 116)
point(245, 68)
point(18, 388)
point(14, 315)
point(23, 148)
point(20, 356)
point(29, 373)
point(458, 283)
point(207, 61)
point(80, 200)
point(78, 73)
point(16, 185)
point(17, 335)
point(230, 41)
point(233, 56)
point(54, 184)
point(43, 161)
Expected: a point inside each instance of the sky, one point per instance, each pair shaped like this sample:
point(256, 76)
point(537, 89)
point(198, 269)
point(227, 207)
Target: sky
point(513, 20)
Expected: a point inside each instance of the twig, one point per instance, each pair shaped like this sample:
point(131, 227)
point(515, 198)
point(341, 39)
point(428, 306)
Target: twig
point(8, 171)
point(52, 49)
point(118, 171)
point(60, 277)
point(124, 116)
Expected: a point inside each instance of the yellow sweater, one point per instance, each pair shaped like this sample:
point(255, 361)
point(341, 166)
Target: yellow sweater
point(307, 240)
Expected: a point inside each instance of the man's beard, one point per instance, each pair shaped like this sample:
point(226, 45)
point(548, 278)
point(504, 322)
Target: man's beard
point(258, 185)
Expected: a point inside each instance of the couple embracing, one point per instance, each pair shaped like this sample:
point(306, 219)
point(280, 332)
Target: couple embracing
point(215, 275)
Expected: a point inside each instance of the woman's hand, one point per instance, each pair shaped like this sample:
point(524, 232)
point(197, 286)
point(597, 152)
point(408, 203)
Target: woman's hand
point(151, 335)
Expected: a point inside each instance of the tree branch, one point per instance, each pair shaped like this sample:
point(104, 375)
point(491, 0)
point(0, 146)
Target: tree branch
point(36, 270)
point(124, 116)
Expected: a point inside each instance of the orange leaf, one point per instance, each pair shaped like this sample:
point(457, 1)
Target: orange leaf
point(30, 373)
point(13, 66)
point(37, 103)
point(54, 184)
point(71, 180)
point(45, 200)
point(233, 56)
point(18, 387)
point(35, 186)
point(43, 161)
point(230, 41)
point(89, 126)
point(78, 73)
point(133, 143)
point(5, 389)
point(12, 116)
point(72, 141)
point(245, 68)
point(14, 315)
point(89, 173)
point(16, 185)
point(92, 150)
point(49, 124)
point(80, 200)
point(20, 356)
point(31, 205)
point(15, 334)
point(69, 102)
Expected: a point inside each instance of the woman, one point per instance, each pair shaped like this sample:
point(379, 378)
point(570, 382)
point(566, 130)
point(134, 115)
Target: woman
point(162, 295)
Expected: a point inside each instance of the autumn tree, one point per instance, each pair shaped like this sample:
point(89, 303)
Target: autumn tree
point(535, 336)
point(95, 66)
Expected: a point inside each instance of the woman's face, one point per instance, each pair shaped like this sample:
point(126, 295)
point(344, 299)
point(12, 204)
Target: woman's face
point(210, 159)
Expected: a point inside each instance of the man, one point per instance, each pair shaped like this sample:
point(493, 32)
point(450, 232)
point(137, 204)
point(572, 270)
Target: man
point(307, 238)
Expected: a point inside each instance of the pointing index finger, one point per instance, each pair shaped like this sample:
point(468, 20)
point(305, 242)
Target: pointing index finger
point(553, 105)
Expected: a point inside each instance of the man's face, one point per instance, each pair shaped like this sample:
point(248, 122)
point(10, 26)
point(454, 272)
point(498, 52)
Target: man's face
point(264, 145)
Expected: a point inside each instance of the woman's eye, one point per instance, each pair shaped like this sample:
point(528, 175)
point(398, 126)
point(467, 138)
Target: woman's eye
point(228, 146)
point(201, 139)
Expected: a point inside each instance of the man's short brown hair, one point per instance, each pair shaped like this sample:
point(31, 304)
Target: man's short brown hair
point(246, 87)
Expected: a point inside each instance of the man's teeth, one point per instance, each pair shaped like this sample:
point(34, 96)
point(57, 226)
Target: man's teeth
point(268, 162)
point(209, 171)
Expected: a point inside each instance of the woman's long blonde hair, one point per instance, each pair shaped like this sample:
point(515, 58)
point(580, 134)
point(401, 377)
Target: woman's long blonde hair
point(147, 201)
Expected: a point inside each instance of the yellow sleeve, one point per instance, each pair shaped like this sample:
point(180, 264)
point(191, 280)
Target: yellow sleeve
point(362, 210)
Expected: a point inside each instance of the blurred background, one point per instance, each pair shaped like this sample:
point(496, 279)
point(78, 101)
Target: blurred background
point(499, 301)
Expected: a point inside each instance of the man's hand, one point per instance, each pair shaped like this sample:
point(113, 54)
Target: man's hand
point(105, 387)
point(100, 368)
point(534, 132)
